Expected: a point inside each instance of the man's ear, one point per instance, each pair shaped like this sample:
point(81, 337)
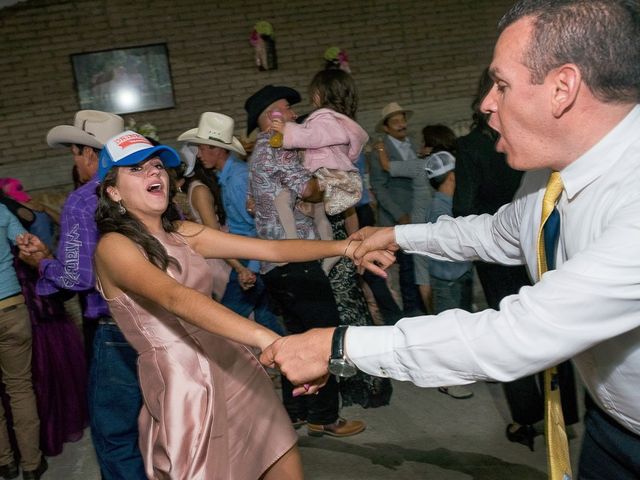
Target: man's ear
point(566, 81)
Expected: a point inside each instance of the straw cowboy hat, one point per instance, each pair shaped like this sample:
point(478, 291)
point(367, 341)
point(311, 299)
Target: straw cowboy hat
point(214, 129)
point(388, 110)
point(90, 127)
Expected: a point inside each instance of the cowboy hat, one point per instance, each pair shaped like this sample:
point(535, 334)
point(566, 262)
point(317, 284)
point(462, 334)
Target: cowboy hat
point(259, 101)
point(391, 109)
point(90, 127)
point(214, 129)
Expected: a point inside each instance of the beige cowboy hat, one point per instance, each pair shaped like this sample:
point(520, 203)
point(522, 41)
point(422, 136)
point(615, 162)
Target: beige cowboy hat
point(90, 127)
point(214, 129)
point(388, 110)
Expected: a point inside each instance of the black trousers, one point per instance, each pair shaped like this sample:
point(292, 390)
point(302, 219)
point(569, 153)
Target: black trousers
point(304, 296)
point(525, 397)
point(389, 309)
point(609, 451)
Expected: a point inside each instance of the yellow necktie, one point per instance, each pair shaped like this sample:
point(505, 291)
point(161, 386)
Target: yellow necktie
point(558, 461)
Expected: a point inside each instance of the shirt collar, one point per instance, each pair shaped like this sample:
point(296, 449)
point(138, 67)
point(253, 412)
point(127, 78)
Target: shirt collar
point(400, 143)
point(603, 156)
point(226, 172)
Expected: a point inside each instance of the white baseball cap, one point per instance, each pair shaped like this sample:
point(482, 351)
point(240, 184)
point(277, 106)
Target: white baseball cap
point(130, 148)
point(439, 163)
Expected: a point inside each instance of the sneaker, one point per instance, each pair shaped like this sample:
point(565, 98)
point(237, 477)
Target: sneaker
point(457, 391)
point(37, 473)
point(9, 471)
point(339, 428)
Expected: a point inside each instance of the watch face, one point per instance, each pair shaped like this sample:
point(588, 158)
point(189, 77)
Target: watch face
point(342, 368)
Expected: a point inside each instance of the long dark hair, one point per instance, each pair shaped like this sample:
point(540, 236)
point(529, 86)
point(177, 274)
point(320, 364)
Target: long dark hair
point(481, 119)
point(439, 137)
point(337, 91)
point(208, 177)
point(109, 219)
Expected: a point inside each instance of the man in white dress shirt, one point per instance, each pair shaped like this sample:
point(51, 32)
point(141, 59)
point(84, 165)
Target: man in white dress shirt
point(565, 98)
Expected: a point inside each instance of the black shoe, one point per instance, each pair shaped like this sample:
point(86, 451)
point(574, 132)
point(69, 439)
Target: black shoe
point(9, 471)
point(37, 473)
point(524, 434)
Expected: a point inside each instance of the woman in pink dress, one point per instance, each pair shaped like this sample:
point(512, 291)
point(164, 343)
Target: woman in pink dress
point(210, 411)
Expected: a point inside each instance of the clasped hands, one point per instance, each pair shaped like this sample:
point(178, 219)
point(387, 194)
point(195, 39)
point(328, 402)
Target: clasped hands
point(304, 358)
point(32, 249)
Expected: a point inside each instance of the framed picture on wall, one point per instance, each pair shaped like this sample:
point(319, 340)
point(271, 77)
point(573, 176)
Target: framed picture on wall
point(124, 80)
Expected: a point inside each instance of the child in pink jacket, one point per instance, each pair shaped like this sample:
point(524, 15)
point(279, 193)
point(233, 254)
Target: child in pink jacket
point(332, 142)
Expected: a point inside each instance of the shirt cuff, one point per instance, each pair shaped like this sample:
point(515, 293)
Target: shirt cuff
point(414, 238)
point(44, 286)
point(371, 349)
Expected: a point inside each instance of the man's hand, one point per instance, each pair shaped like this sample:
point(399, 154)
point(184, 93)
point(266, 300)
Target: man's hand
point(251, 206)
point(303, 359)
point(32, 249)
point(374, 239)
point(376, 261)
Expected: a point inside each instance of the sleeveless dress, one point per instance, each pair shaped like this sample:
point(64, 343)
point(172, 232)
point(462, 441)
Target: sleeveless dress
point(210, 411)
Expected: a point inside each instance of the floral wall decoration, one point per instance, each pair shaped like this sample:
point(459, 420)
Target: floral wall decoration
point(336, 57)
point(147, 129)
point(263, 41)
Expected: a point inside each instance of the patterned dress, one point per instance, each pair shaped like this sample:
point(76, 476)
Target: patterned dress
point(362, 389)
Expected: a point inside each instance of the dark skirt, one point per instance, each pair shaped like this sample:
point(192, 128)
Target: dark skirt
point(58, 366)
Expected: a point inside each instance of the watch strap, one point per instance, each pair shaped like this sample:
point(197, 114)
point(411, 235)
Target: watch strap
point(337, 342)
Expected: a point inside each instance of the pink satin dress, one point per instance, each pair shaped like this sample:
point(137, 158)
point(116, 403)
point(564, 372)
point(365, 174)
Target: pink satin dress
point(210, 411)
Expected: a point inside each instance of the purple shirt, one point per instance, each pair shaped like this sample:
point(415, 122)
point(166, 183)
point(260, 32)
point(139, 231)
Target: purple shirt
point(72, 269)
point(272, 170)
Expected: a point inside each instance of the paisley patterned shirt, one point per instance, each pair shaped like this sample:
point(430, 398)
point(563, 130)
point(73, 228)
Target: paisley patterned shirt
point(272, 171)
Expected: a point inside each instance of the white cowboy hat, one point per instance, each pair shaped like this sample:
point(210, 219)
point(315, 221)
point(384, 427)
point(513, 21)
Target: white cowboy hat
point(214, 129)
point(391, 109)
point(90, 127)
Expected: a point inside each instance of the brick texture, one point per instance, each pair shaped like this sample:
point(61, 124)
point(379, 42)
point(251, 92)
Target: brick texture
point(425, 54)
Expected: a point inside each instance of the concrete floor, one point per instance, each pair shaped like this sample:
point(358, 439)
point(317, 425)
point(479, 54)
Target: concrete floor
point(423, 434)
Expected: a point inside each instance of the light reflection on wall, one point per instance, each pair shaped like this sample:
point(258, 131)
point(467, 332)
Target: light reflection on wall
point(127, 98)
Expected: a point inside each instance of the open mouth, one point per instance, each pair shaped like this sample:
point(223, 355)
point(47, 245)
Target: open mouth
point(154, 188)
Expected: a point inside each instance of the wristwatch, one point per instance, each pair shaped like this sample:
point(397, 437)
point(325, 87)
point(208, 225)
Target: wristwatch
point(339, 364)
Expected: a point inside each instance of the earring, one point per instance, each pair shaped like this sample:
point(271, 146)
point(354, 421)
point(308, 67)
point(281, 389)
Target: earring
point(121, 209)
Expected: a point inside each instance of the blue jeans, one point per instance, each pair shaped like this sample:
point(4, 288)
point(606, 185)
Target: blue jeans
point(255, 300)
point(114, 405)
point(449, 294)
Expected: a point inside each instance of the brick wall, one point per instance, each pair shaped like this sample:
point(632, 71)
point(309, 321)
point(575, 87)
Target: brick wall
point(425, 54)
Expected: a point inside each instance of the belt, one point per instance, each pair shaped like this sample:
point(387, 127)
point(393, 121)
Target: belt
point(106, 321)
point(11, 303)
